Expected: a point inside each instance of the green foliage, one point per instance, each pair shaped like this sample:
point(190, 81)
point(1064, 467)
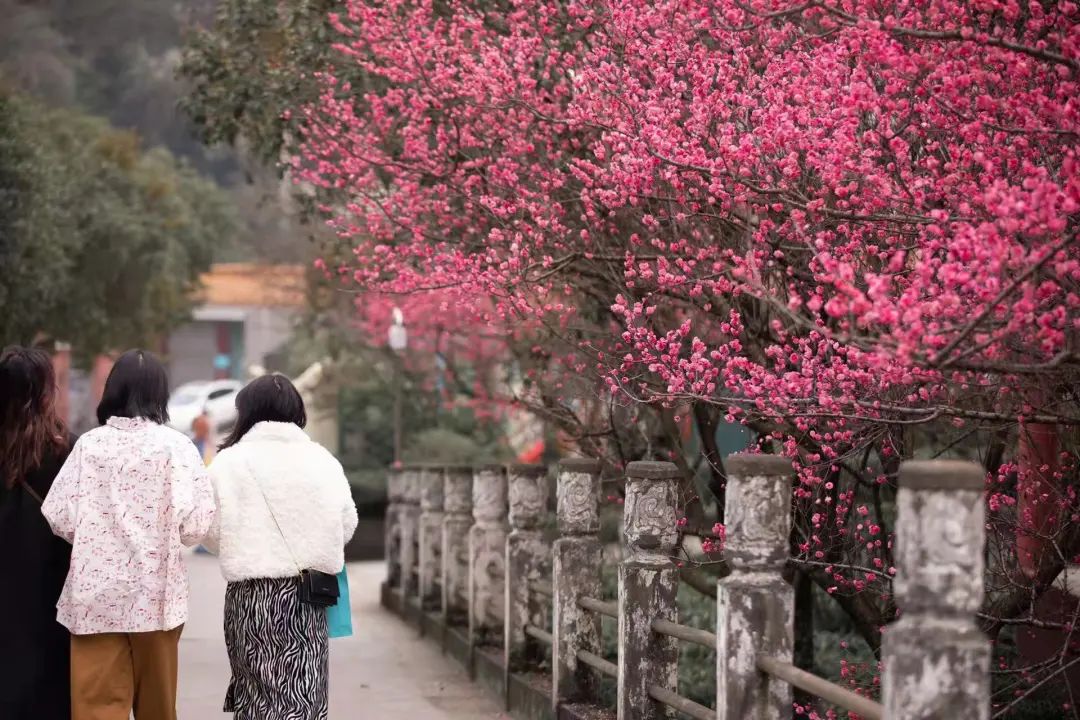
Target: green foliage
point(369, 379)
point(118, 60)
point(697, 665)
point(257, 61)
point(450, 447)
point(102, 243)
point(430, 432)
point(1049, 701)
point(111, 58)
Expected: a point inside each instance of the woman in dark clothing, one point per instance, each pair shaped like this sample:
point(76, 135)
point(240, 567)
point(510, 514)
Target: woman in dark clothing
point(34, 648)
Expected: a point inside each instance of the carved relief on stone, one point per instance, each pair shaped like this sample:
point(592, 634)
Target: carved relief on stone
point(578, 503)
point(410, 486)
point(455, 559)
point(457, 491)
point(939, 549)
point(528, 498)
point(649, 520)
point(431, 489)
point(489, 495)
point(430, 550)
point(489, 547)
point(758, 515)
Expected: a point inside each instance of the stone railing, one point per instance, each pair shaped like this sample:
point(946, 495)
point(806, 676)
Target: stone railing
point(471, 564)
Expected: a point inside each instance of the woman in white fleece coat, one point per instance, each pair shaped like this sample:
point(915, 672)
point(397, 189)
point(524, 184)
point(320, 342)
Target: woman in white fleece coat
point(284, 506)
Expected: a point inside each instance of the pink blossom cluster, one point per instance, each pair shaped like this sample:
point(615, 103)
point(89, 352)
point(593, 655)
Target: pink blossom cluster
point(839, 221)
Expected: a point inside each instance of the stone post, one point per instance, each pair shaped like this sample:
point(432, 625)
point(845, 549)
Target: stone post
point(755, 608)
point(457, 519)
point(576, 560)
point(648, 583)
point(936, 661)
point(527, 558)
point(410, 526)
point(392, 527)
point(487, 550)
point(431, 520)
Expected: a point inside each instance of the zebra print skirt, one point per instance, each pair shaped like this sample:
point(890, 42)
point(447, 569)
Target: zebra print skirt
point(279, 652)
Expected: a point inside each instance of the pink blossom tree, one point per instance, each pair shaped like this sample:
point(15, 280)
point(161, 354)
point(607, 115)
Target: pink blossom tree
point(849, 225)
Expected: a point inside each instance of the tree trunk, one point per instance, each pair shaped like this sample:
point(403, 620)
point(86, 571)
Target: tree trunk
point(804, 630)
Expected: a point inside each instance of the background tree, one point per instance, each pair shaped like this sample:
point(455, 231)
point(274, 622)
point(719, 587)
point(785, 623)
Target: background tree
point(103, 242)
point(118, 61)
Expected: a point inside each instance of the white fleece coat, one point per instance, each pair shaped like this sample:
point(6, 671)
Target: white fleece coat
point(277, 463)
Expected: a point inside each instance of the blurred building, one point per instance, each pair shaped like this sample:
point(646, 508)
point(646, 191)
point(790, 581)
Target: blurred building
point(245, 314)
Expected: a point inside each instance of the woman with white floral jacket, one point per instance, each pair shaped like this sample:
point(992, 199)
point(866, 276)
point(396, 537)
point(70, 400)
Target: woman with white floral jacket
point(131, 494)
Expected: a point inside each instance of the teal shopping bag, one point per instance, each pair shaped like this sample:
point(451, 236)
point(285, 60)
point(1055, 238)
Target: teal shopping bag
point(339, 616)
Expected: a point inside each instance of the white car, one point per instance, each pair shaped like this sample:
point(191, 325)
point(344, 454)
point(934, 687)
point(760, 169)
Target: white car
point(217, 397)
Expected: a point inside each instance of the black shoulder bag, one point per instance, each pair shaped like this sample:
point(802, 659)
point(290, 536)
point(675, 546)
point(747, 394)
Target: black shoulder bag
point(316, 587)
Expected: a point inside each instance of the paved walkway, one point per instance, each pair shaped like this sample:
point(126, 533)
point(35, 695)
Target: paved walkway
point(383, 671)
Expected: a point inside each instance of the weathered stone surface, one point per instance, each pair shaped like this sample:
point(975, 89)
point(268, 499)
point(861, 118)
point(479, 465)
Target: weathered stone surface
point(936, 661)
point(431, 526)
point(528, 494)
point(576, 560)
point(939, 540)
point(432, 488)
point(935, 668)
point(755, 608)
point(487, 553)
point(457, 519)
point(755, 613)
point(489, 490)
point(527, 560)
point(410, 531)
point(648, 583)
point(576, 571)
point(578, 497)
point(649, 512)
point(487, 550)
point(754, 513)
point(392, 527)
point(457, 489)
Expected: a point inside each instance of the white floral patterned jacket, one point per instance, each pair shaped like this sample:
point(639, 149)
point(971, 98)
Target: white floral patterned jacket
point(130, 495)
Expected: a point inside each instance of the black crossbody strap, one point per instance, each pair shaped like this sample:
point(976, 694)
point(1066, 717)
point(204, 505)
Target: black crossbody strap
point(32, 491)
point(255, 480)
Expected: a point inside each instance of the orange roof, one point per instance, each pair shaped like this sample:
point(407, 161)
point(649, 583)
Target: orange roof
point(253, 284)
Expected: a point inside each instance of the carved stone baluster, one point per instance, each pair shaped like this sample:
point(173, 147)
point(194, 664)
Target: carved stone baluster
point(392, 527)
point(936, 660)
point(576, 560)
point(431, 520)
point(410, 527)
point(527, 558)
point(648, 583)
point(755, 607)
point(457, 519)
point(487, 550)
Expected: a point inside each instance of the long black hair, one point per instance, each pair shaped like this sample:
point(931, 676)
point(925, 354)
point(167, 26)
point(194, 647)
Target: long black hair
point(137, 387)
point(30, 425)
point(268, 398)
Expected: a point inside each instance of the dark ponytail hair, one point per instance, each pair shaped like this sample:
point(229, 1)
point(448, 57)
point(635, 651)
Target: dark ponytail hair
point(268, 398)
